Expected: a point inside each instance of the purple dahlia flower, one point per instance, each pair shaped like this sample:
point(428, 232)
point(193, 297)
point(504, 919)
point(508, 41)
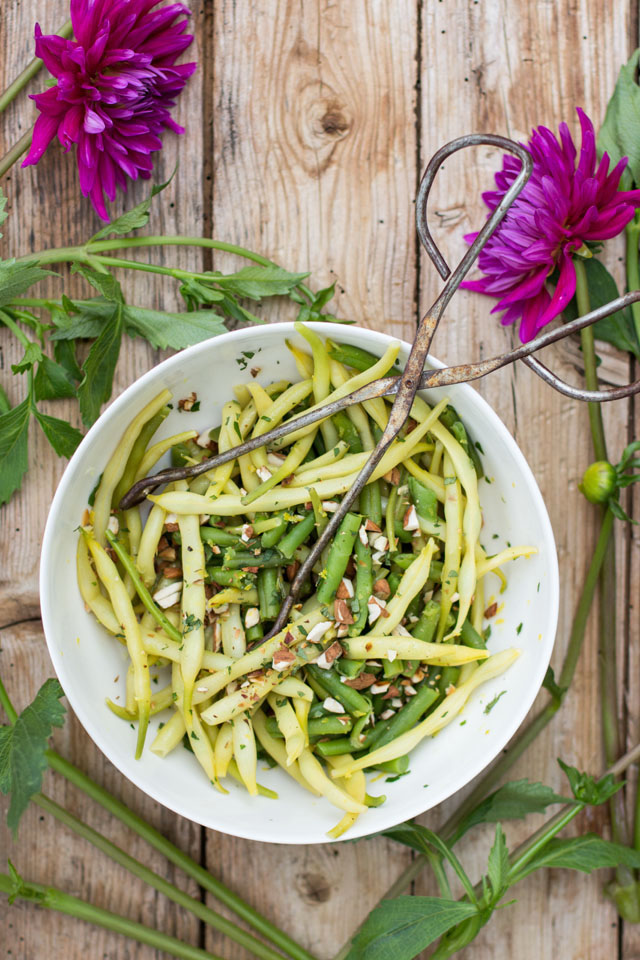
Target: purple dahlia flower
point(116, 82)
point(563, 206)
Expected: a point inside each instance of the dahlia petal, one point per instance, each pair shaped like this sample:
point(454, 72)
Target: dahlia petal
point(563, 293)
point(93, 122)
point(44, 130)
point(532, 311)
point(69, 130)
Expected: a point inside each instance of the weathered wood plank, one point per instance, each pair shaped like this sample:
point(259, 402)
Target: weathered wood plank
point(516, 67)
point(314, 165)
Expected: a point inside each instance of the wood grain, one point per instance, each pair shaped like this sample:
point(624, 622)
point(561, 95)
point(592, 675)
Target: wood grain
point(307, 127)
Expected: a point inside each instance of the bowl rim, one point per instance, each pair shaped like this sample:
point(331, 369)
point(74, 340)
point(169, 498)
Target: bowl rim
point(92, 728)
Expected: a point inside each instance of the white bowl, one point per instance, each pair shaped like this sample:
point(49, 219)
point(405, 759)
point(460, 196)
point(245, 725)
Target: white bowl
point(87, 661)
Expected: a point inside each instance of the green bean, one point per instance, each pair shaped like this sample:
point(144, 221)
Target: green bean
point(254, 633)
point(236, 559)
point(273, 729)
point(398, 766)
point(217, 535)
point(354, 737)
point(459, 432)
point(426, 503)
point(329, 726)
point(347, 431)
point(406, 717)
point(470, 636)
point(183, 454)
point(371, 502)
point(349, 668)
point(363, 587)
point(229, 578)
point(141, 590)
point(296, 535)
point(425, 628)
point(137, 453)
point(354, 357)
point(448, 677)
point(394, 580)
point(353, 701)
point(390, 513)
point(374, 801)
point(271, 537)
point(333, 748)
point(392, 668)
point(268, 596)
point(338, 557)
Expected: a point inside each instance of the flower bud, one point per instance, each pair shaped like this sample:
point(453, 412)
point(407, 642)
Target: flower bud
point(599, 482)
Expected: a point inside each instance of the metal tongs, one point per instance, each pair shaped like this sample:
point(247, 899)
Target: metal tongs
point(414, 377)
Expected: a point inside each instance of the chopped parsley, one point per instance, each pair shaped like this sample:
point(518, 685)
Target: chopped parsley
point(489, 707)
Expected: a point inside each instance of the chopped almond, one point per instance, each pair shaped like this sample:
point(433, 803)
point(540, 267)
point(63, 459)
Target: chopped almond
point(410, 519)
point(341, 612)
point(345, 589)
point(171, 527)
point(291, 569)
point(168, 553)
point(491, 611)
point(361, 682)
point(172, 572)
point(391, 692)
point(187, 403)
point(393, 476)
point(288, 637)
point(255, 371)
point(283, 658)
point(372, 527)
point(381, 588)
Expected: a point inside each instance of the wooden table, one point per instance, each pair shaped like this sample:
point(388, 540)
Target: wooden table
point(307, 128)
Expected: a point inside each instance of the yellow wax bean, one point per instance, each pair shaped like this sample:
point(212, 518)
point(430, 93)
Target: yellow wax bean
point(321, 379)
point(452, 543)
point(200, 743)
point(294, 737)
point(90, 589)
point(276, 750)
point(234, 642)
point(151, 533)
point(302, 708)
point(227, 439)
point(356, 787)
point(108, 573)
point(412, 582)
point(331, 456)
point(408, 648)
point(233, 595)
point(356, 413)
point(294, 458)
point(159, 449)
point(193, 605)
point(436, 484)
point(490, 564)
point(304, 360)
point(294, 687)
point(115, 466)
point(312, 771)
point(439, 718)
point(236, 703)
point(170, 736)
point(260, 397)
point(223, 750)
point(245, 754)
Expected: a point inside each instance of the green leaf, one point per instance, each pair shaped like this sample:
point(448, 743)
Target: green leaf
point(586, 853)
point(22, 749)
point(619, 134)
point(104, 283)
point(16, 278)
point(586, 788)
point(618, 329)
point(513, 801)
point(52, 381)
point(14, 435)
point(549, 683)
point(99, 368)
point(256, 282)
point(498, 865)
point(175, 330)
point(65, 353)
point(322, 297)
point(81, 319)
point(61, 435)
point(135, 218)
point(400, 929)
point(3, 203)
point(32, 354)
point(425, 841)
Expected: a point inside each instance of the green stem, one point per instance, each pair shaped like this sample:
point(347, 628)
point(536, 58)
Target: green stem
point(15, 329)
point(527, 850)
point(199, 909)
point(450, 830)
point(589, 358)
point(632, 232)
point(29, 72)
point(54, 899)
point(155, 839)
point(15, 153)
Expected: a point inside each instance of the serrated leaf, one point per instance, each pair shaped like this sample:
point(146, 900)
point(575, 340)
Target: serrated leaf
point(99, 368)
point(16, 278)
point(236, 311)
point(322, 297)
point(400, 929)
point(104, 283)
point(619, 134)
point(82, 319)
point(586, 853)
point(513, 801)
point(498, 865)
point(14, 436)
point(586, 788)
point(22, 749)
point(52, 381)
point(175, 330)
point(256, 282)
point(65, 353)
point(135, 218)
point(618, 329)
point(61, 435)
point(32, 354)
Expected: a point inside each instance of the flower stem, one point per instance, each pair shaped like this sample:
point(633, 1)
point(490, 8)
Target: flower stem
point(16, 152)
point(155, 839)
point(589, 358)
point(632, 232)
point(450, 829)
point(29, 72)
point(54, 899)
point(199, 909)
